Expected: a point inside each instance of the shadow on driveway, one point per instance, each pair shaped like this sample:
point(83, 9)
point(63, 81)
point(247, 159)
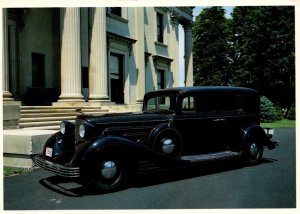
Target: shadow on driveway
point(76, 188)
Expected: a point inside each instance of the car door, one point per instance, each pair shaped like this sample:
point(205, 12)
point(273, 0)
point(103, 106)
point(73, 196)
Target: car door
point(238, 112)
point(196, 126)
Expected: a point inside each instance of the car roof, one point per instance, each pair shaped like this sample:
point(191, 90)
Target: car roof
point(185, 90)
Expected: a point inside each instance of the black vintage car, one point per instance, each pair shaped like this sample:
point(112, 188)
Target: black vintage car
point(177, 127)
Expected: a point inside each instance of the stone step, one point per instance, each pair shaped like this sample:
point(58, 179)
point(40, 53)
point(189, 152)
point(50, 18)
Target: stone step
point(42, 119)
point(25, 111)
point(54, 127)
point(50, 117)
point(57, 114)
point(41, 124)
point(59, 107)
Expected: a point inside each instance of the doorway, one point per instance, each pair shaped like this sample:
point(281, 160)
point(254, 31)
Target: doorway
point(116, 73)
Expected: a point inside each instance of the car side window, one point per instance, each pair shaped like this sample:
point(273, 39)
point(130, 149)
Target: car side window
point(188, 104)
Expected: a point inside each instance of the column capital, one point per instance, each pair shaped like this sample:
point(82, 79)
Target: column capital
point(187, 25)
point(174, 17)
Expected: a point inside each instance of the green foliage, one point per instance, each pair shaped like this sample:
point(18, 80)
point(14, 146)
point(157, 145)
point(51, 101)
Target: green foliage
point(279, 113)
point(9, 171)
point(292, 113)
point(255, 48)
point(210, 49)
point(280, 124)
point(263, 51)
point(267, 110)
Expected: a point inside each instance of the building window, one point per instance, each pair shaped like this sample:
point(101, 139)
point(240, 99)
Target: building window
point(116, 11)
point(160, 79)
point(38, 70)
point(159, 23)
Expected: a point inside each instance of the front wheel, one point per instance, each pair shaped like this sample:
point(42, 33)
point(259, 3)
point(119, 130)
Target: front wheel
point(107, 173)
point(253, 150)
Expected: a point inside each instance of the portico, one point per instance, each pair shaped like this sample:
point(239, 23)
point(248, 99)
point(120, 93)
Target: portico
point(93, 56)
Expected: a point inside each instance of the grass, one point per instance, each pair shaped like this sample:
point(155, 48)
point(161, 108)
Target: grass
point(9, 171)
point(280, 124)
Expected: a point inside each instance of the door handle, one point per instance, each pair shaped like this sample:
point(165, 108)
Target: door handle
point(219, 120)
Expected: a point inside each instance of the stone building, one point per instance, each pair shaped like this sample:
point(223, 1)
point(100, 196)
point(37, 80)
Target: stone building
point(90, 56)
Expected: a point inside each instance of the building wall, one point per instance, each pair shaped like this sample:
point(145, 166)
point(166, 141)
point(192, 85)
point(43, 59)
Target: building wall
point(40, 34)
point(133, 37)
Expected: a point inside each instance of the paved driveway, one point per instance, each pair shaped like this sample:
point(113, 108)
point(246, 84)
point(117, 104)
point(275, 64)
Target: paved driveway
point(270, 184)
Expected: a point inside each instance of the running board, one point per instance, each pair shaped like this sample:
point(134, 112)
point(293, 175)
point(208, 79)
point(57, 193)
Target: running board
point(211, 157)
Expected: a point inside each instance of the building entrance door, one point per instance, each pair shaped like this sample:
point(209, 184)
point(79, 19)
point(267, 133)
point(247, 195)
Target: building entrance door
point(116, 73)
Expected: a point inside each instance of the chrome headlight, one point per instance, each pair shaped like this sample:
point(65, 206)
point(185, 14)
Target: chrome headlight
point(86, 130)
point(82, 131)
point(63, 128)
point(67, 127)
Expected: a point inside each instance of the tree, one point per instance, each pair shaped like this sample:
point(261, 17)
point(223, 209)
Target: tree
point(210, 47)
point(263, 51)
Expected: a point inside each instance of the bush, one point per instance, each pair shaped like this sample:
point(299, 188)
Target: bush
point(268, 111)
point(279, 113)
point(292, 113)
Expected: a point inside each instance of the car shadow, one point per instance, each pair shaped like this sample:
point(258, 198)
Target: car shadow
point(75, 188)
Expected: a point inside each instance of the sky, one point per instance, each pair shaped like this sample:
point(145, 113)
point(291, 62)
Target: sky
point(196, 12)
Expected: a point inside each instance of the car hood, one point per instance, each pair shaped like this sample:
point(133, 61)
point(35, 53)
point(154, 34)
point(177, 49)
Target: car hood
point(140, 118)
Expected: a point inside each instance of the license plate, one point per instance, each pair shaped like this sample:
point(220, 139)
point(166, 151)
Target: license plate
point(49, 152)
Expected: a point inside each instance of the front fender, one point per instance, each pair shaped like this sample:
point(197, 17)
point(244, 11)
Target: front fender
point(126, 150)
point(155, 131)
point(61, 145)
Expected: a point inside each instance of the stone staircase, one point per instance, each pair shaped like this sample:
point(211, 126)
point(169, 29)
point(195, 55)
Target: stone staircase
point(50, 117)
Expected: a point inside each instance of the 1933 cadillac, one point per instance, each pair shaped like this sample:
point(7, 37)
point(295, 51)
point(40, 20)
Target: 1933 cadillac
point(177, 127)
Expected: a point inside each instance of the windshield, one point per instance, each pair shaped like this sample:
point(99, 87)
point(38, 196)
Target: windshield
point(160, 103)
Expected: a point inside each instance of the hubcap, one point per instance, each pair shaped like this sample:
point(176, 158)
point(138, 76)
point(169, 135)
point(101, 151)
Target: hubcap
point(168, 146)
point(253, 149)
point(109, 169)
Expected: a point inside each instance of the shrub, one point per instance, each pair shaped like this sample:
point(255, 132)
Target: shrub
point(267, 110)
point(279, 113)
point(292, 113)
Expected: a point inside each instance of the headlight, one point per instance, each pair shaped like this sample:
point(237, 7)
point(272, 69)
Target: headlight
point(86, 130)
point(67, 128)
point(82, 131)
point(63, 128)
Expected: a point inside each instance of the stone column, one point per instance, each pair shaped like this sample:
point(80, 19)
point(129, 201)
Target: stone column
point(7, 96)
point(139, 53)
point(174, 48)
point(70, 56)
point(188, 50)
point(98, 78)
point(11, 108)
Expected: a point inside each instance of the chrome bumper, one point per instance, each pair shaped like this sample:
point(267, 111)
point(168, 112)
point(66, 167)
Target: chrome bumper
point(59, 169)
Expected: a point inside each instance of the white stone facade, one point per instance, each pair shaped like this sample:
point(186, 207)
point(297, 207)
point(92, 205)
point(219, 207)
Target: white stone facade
point(93, 56)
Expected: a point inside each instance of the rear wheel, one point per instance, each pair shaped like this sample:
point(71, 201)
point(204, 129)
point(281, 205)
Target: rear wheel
point(253, 150)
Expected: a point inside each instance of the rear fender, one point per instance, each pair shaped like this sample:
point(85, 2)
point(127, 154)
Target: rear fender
point(258, 131)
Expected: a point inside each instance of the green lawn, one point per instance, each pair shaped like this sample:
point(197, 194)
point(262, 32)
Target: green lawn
point(9, 171)
point(280, 124)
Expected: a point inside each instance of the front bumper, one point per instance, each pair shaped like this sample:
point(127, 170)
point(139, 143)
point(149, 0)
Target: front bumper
point(58, 169)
